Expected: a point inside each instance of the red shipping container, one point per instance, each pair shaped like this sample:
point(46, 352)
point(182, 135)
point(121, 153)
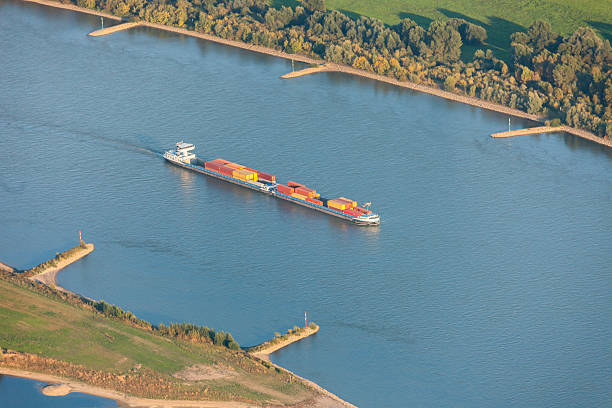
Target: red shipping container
point(226, 171)
point(315, 201)
point(211, 166)
point(266, 176)
point(284, 189)
point(306, 191)
point(219, 161)
point(352, 212)
point(294, 184)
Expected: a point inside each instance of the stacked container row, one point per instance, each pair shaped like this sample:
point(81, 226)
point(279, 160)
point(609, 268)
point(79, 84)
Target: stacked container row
point(237, 171)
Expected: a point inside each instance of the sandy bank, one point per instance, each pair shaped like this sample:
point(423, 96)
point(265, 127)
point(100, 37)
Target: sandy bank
point(56, 390)
point(49, 275)
point(345, 69)
point(63, 386)
point(5, 268)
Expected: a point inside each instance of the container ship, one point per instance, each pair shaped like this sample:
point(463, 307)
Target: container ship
point(182, 155)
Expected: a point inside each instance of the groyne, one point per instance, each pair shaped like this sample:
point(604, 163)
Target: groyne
point(305, 71)
point(264, 350)
point(523, 132)
point(468, 100)
point(550, 129)
point(46, 273)
point(114, 29)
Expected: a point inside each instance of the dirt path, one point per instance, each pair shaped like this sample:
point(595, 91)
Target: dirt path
point(49, 276)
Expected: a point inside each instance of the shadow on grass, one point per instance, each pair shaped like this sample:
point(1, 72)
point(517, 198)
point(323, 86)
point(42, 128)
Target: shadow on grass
point(277, 4)
point(350, 14)
point(604, 29)
point(420, 20)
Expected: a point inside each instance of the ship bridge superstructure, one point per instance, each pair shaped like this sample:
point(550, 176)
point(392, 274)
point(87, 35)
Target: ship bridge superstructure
point(183, 153)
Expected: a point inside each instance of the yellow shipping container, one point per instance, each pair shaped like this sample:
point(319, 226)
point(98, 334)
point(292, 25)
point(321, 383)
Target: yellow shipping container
point(336, 205)
point(300, 196)
point(348, 199)
point(243, 174)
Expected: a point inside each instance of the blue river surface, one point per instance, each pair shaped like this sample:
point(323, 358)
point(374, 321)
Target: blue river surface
point(487, 284)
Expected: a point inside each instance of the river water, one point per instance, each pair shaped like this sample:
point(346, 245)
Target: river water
point(487, 284)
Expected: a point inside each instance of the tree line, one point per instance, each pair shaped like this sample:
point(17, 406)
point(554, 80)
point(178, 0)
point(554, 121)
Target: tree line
point(566, 78)
point(184, 331)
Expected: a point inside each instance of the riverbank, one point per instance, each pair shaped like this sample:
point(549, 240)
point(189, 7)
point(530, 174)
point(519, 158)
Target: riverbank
point(6, 268)
point(63, 386)
point(347, 70)
point(217, 376)
point(72, 7)
point(46, 273)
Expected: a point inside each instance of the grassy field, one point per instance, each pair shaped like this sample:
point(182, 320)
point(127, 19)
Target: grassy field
point(34, 323)
point(500, 18)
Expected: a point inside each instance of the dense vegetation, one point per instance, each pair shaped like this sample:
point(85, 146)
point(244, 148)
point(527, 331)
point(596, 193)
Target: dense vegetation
point(184, 331)
point(566, 78)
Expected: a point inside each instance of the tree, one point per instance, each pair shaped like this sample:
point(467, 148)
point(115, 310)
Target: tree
point(444, 42)
point(541, 36)
point(474, 34)
point(90, 4)
point(449, 83)
point(219, 338)
point(534, 103)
